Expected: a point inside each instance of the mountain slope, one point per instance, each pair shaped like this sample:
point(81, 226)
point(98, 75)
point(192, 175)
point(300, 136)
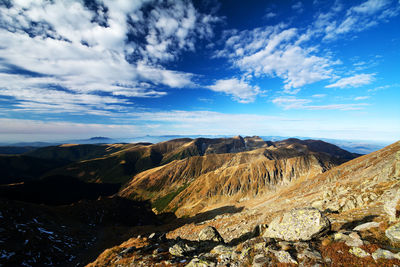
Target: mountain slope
point(187, 186)
point(120, 166)
point(366, 180)
point(75, 152)
point(19, 168)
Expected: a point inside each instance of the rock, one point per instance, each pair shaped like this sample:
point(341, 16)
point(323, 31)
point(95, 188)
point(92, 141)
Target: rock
point(391, 200)
point(180, 249)
point(245, 253)
point(284, 257)
point(152, 236)
point(209, 233)
point(385, 254)
point(221, 249)
point(319, 204)
point(366, 226)
point(349, 205)
point(310, 254)
point(359, 252)
point(200, 263)
point(284, 245)
point(354, 240)
point(158, 251)
point(259, 246)
point(259, 229)
point(393, 233)
point(127, 251)
point(340, 236)
point(260, 260)
point(333, 206)
point(298, 224)
point(300, 246)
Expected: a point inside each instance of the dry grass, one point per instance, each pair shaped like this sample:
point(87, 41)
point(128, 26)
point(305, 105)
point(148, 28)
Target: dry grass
point(339, 253)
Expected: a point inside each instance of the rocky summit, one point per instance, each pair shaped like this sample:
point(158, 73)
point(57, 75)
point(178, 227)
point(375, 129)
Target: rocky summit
point(235, 201)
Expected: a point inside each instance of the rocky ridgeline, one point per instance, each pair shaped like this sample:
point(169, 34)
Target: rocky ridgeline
point(300, 237)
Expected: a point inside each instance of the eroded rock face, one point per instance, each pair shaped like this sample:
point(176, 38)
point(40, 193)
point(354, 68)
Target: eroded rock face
point(298, 224)
point(209, 233)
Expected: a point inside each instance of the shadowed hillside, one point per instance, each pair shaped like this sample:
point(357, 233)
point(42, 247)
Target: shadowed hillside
point(19, 168)
point(56, 190)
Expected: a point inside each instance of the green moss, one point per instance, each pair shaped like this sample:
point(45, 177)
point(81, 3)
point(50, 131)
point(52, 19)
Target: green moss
point(161, 203)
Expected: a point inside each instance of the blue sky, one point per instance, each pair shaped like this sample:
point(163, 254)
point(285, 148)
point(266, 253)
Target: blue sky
point(75, 69)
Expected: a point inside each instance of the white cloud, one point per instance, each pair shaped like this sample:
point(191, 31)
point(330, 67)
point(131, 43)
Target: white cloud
point(240, 90)
point(370, 7)
point(358, 98)
point(338, 107)
point(270, 15)
point(290, 102)
point(319, 95)
point(64, 43)
point(353, 81)
point(299, 7)
point(339, 21)
point(34, 130)
point(202, 123)
point(383, 87)
point(276, 51)
point(299, 103)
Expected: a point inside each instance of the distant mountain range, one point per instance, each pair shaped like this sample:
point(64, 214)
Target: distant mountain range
point(354, 146)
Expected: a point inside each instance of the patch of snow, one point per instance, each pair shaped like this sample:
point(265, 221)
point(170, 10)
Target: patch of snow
point(71, 258)
point(25, 264)
point(6, 255)
point(45, 231)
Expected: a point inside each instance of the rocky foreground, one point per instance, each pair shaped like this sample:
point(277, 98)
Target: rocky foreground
point(300, 237)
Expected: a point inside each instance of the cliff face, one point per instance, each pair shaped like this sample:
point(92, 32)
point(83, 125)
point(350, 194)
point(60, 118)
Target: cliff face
point(193, 183)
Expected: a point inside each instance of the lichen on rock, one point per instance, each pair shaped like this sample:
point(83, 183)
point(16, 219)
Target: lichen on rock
point(298, 224)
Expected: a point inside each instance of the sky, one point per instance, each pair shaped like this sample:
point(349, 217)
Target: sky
point(76, 69)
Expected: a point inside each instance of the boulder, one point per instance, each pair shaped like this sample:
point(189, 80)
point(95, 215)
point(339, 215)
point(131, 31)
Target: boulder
point(366, 226)
point(284, 257)
point(221, 249)
point(298, 224)
point(180, 249)
point(354, 240)
point(260, 260)
point(209, 233)
point(359, 252)
point(393, 233)
point(385, 254)
point(200, 263)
